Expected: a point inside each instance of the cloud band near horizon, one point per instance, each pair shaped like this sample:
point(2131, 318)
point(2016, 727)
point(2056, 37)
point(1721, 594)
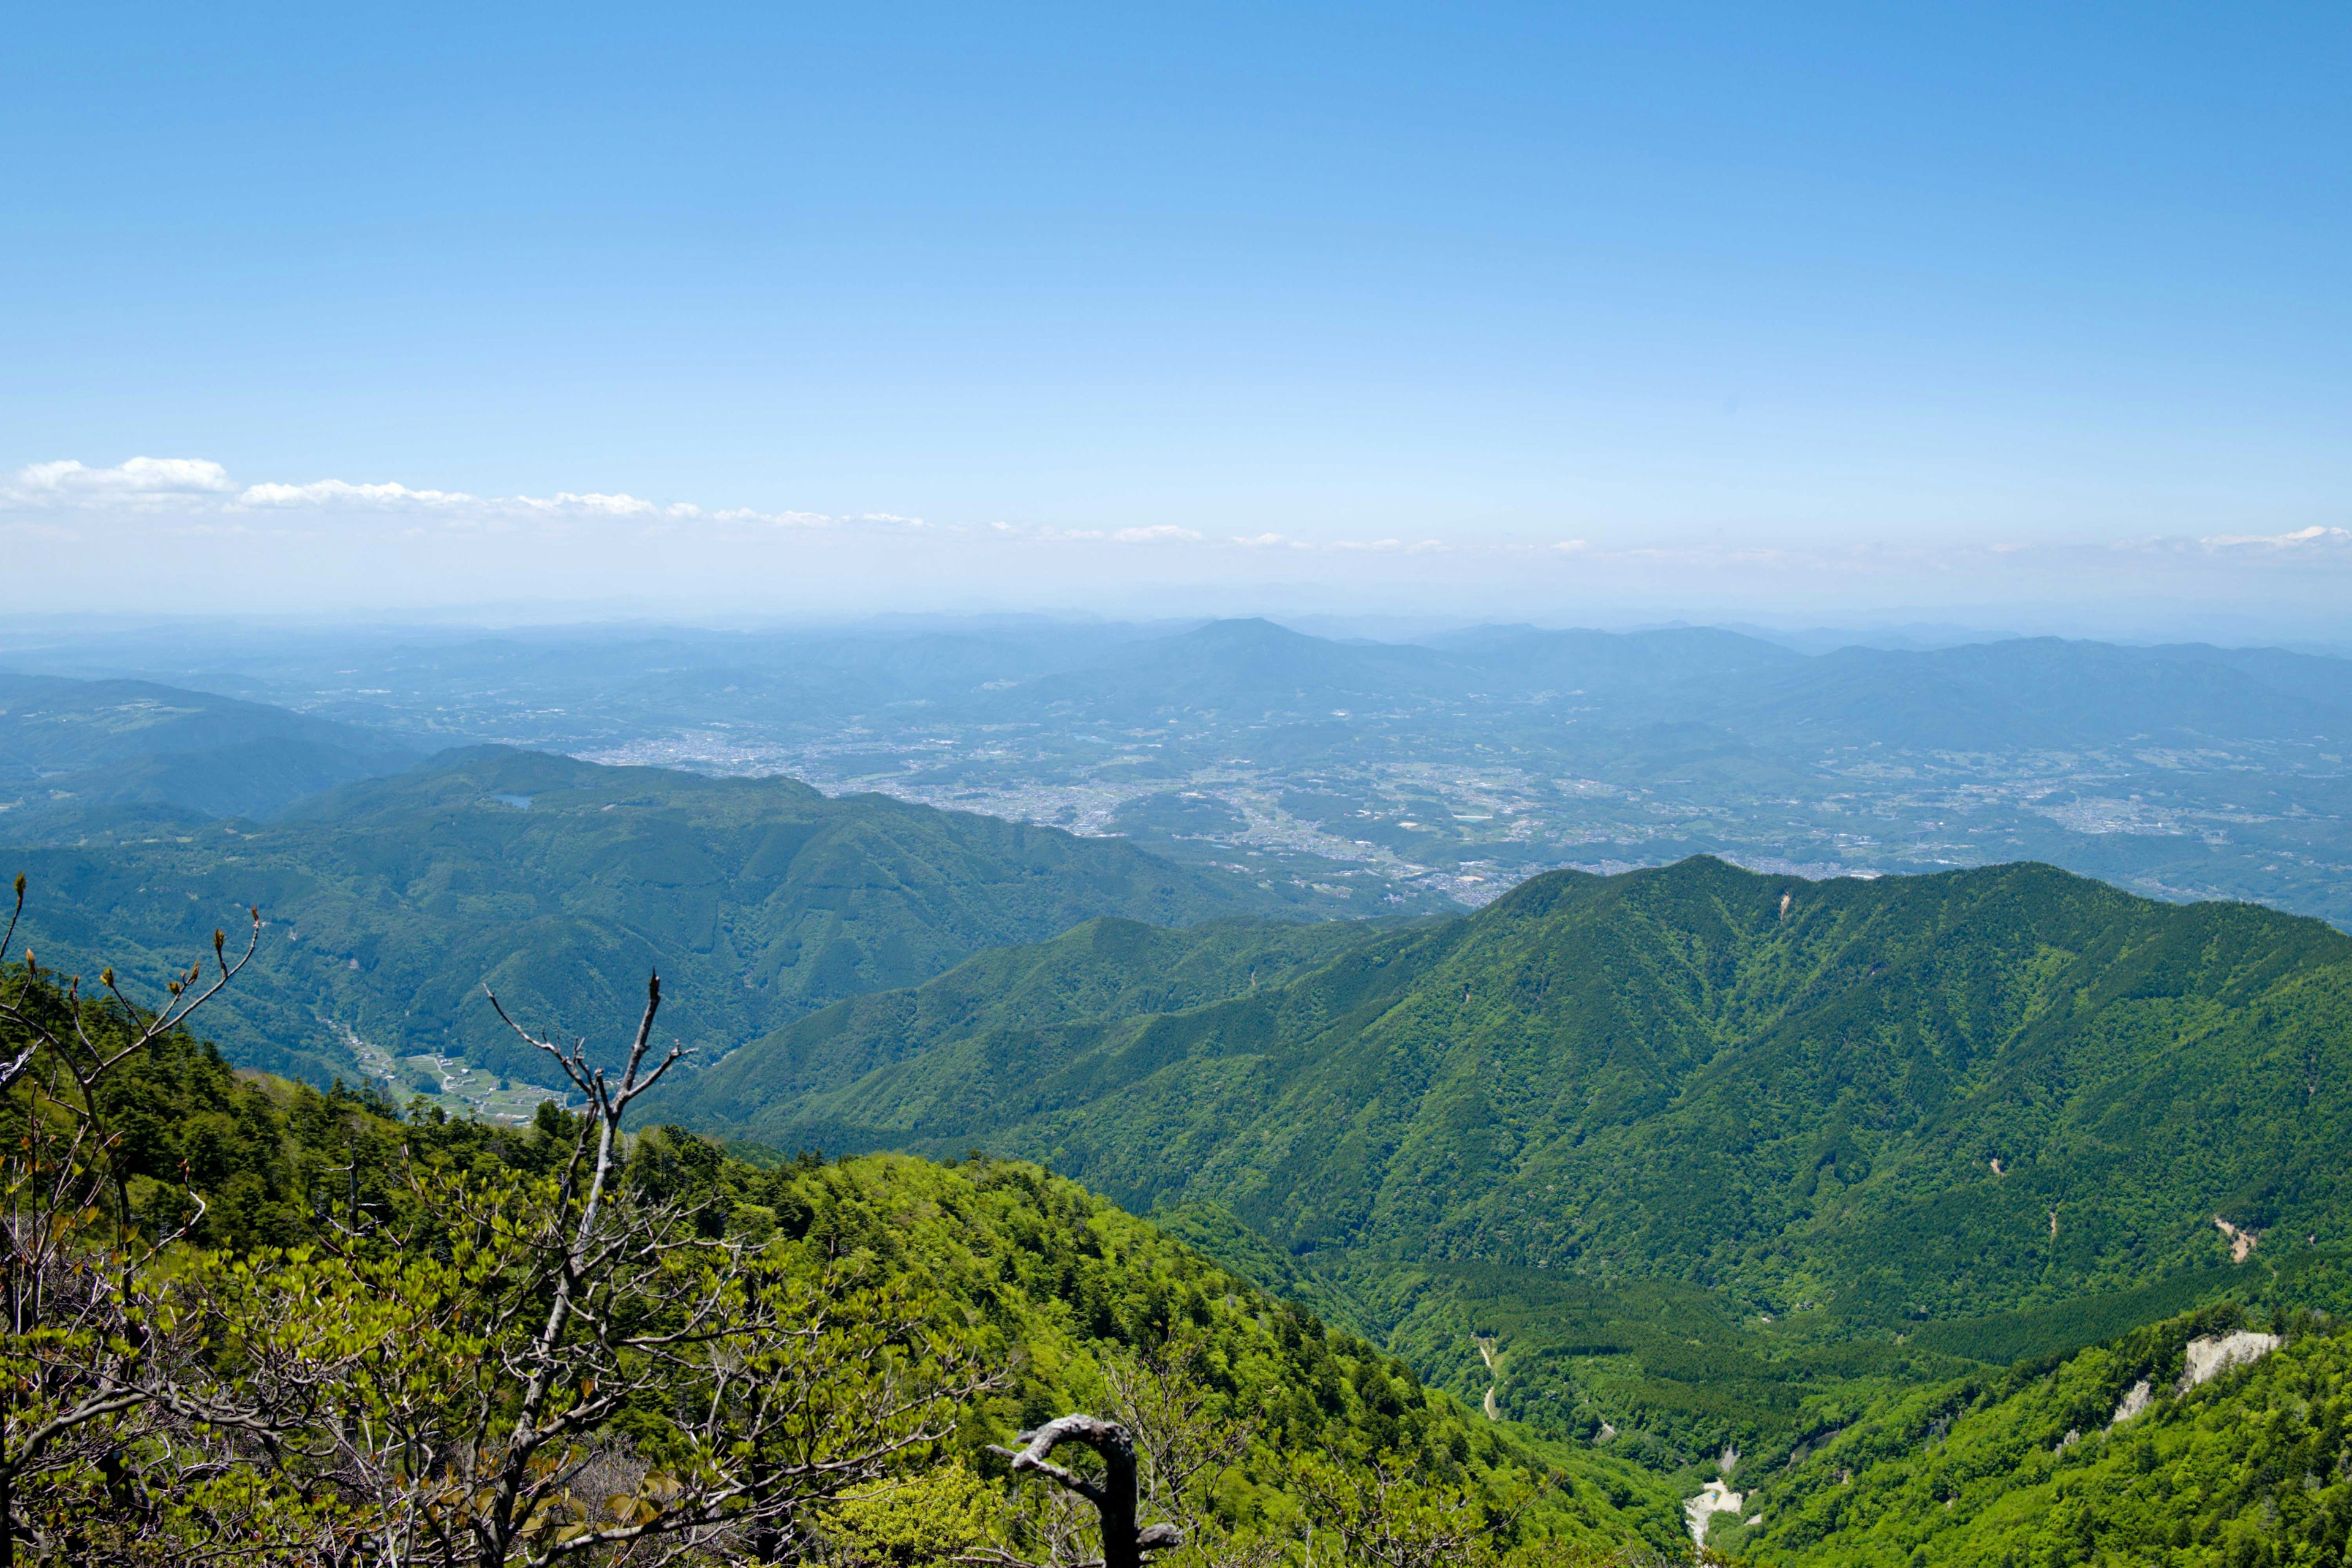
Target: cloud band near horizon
point(202, 496)
point(111, 537)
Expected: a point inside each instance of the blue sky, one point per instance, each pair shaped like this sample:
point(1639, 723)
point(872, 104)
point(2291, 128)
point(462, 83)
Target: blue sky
point(1857, 307)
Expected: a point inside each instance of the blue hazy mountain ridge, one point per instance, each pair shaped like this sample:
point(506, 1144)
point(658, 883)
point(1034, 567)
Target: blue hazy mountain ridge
point(598, 683)
point(2048, 694)
point(562, 882)
point(1615, 662)
point(2039, 691)
point(1250, 667)
point(2066, 688)
point(70, 746)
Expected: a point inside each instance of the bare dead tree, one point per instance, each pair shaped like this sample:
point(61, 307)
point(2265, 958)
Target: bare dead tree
point(85, 1354)
point(585, 1249)
point(1114, 1496)
point(454, 1396)
point(86, 1056)
point(1181, 1438)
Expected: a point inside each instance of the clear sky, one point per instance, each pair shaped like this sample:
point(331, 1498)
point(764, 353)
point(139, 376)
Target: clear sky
point(1550, 310)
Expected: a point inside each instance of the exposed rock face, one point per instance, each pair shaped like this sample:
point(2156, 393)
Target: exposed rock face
point(2134, 1401)
point(2208, 1358)
point(1699, 1511)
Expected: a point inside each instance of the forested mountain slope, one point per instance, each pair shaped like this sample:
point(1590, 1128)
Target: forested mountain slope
point(562, 883)
point(1066, 1301)
point(2114, 1454)
point(1867, 1103)
point(1676, 1073)
point(1078, 987)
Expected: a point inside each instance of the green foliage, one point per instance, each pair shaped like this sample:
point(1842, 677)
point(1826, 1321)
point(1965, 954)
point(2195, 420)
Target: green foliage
point(1751, 1108)
point(1654, 1167)
point(1059, 1284)
point(391, 902)
point(1073, 990)
point(2065, 1327)
point(1654, 1370)
point(2030, 1466)
point(379, 1256)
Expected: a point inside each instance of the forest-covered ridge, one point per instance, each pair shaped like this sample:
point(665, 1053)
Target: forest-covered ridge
point(390, 900)
point(1609, 1399)
point(71, 750)
point(301, 1206)
point(1816, 1115)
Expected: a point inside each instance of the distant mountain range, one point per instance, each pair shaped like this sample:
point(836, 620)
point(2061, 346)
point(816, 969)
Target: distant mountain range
point(582, 686)
point(1419, 775)
point(2041, 692)
point(69, 747)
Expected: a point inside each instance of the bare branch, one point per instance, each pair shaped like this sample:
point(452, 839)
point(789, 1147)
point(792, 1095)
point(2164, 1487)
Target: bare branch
point(1113, 1498)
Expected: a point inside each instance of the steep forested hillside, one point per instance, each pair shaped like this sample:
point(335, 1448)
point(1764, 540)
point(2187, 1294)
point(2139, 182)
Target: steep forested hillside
point(560, 883)
point(1076, 988)
point(1839, 1425)
point(1812, 1109)
point(2113, 1456)
point(1055, 1298)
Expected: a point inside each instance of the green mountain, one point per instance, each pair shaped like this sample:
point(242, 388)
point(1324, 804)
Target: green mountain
point(1048, 1284)
point(2114, 1454)
point(1796, 1118)
point(1074, 989)
point(560, 883)
point(1248, 669)
point(69, 747)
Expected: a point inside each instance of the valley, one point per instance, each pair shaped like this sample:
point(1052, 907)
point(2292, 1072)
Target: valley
point(1689, 1092)
point(1423, 776)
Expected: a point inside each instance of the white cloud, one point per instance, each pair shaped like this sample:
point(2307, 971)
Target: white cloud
point(2313, 538)
point(190, 496)
point(68, 482)
point(389, 497)
point(198, 488)
point(771, 518)
point(342, 493)
point(591, 504)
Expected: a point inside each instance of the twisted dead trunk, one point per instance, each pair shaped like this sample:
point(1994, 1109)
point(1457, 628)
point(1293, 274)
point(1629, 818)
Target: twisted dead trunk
point(1114, 1496)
